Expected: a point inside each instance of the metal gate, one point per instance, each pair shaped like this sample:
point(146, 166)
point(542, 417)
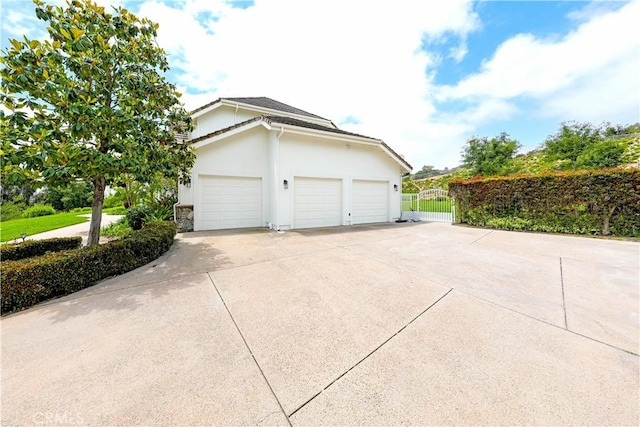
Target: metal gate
point(433, 205)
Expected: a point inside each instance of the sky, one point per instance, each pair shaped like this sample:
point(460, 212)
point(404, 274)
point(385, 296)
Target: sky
point(424, 76)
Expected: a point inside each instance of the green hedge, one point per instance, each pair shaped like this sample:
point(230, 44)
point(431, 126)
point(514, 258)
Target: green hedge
point(29, 281)
point(33, 248)
point(583, 202)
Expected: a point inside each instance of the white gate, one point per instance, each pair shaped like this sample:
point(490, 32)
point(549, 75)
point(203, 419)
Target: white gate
point(433, 205)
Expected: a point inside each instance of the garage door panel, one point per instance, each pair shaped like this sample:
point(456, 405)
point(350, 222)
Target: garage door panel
point(317, 202)
point(370, 201)
point(230, 202)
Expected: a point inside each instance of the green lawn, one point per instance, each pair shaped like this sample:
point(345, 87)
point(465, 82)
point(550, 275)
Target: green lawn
point(10, 230)
point(428, 205)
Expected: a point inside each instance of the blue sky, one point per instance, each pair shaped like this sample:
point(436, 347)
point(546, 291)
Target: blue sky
point(423, 76)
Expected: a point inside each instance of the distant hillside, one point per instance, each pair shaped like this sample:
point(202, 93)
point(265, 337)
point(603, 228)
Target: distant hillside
point(533, 162)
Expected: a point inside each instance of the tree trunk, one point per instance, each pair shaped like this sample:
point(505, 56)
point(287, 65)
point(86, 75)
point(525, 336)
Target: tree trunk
point(607, 220)
point(99, 184)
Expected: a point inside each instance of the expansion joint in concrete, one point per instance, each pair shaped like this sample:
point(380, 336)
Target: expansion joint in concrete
point(371, 353)
point(564, 303)
point(249, 348)
point(481, 237)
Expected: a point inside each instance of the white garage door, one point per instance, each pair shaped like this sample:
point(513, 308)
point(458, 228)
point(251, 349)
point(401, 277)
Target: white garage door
point(229, 202)
point(370, 202)
point(318, 202)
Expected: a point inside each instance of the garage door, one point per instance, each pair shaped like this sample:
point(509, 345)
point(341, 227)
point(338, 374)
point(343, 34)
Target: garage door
point(317, 202)
point(229, 202)
point(370, 201)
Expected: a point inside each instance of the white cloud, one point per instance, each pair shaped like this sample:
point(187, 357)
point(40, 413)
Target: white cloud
point(334, 58)
point(365, 59)
point(566, 76)
point(16, 23)
point(459, 52)
point(611, 93)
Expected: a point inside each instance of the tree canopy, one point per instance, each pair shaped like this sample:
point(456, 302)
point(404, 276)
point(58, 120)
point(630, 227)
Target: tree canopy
point(587, 146)
point(91, 102)
point(493, 156)
point(571, 140)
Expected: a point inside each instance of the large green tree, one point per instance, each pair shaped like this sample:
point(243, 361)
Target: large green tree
point(572, 140)
point(90, 102)
point(490, 156)
point(603, 154)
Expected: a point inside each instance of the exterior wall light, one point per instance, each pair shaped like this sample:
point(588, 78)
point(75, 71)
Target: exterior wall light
point(188, 185)
point(395, 187)
point(286, 184)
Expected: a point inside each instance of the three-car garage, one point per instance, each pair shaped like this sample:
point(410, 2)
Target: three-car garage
point(261, 163)
point(226, 202)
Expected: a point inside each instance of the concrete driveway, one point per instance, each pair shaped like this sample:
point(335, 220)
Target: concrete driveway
point(396, 324)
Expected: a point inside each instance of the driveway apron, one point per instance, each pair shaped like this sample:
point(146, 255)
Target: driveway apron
point(387, 324)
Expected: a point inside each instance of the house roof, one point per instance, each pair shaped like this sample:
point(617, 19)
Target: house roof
point(301, 123)
point(263, 102)
point(306, 125)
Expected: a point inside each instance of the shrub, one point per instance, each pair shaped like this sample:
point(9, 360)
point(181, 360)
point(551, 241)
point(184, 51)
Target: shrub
point(33, 248)
point(120, 228)
point(38, 210)
point(81, 210)
point(114, 200)
point(29, 281)
point(137, 216)
point(12, 210)
point(118, 210)
point(159, 212)
point(587, 202)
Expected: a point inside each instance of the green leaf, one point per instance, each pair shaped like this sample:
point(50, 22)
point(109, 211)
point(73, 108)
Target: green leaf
point(88, 118)
point(65, 33)
point(77, 33)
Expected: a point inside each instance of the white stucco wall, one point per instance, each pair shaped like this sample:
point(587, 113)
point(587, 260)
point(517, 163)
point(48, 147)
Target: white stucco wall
point(254, 153)
point(242, 155)
point(306, 156)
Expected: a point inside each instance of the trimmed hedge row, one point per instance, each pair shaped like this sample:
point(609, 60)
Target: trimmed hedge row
point(583, 202)
point(33, 248)
point(29, 281)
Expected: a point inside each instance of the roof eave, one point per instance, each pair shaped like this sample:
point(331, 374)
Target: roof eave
point(261, 110)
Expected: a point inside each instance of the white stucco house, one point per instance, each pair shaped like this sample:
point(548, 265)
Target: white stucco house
point(262, 163)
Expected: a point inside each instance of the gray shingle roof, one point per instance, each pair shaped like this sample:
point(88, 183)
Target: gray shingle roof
point(264, 102)
point(224, 130)
point(301, 123)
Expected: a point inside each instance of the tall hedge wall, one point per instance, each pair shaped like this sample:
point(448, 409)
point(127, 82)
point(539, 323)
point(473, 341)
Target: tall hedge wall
point(29, 281)
point(583, 202)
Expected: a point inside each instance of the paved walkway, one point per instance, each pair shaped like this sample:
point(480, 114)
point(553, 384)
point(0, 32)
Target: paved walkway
point(81, 229)
point(399, 324)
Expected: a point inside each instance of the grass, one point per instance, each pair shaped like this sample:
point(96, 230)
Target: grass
point(10, 230)
point(428, 206)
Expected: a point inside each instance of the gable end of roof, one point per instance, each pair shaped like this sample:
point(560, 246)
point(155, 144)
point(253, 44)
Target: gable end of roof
point(263, 102)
